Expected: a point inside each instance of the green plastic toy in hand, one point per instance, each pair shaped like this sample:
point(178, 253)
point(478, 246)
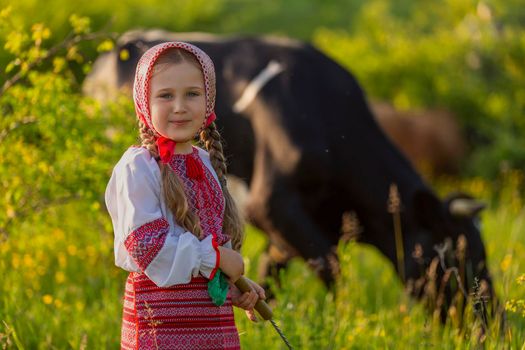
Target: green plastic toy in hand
point(218, 288)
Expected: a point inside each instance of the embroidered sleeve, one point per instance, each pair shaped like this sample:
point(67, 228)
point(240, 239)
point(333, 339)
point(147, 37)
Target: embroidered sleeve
point(144, 243)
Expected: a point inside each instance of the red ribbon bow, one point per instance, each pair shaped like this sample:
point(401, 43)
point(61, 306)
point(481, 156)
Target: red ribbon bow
point(166, 148)
point(211, 119)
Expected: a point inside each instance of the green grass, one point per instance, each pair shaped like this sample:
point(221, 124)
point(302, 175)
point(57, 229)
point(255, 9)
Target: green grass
point(59, 289)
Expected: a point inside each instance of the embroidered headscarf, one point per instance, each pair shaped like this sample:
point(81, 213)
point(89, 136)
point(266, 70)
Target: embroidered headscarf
point(141, 90)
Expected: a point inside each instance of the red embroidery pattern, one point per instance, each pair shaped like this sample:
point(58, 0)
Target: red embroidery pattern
point(179, 317)
point(144, 243)
point(204, 196)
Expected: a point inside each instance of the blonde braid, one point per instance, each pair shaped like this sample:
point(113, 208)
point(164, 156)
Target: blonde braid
point(172, 187)
point(233, 224)
point(148, 140)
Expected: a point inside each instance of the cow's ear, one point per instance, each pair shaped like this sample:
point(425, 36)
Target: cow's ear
point(462, 205)
point(428, 210)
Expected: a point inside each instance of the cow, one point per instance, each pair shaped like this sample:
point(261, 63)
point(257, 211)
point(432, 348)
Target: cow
point(299, 133)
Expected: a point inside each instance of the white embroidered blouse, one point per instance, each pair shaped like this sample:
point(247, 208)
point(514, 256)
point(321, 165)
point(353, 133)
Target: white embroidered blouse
point(147, 239)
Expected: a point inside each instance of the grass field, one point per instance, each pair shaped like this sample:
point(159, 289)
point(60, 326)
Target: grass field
point(59, 289)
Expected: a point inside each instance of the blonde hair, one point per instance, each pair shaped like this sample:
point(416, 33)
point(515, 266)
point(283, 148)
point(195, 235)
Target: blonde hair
point(172, 186)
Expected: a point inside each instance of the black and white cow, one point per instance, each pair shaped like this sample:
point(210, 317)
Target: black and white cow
point(300, 134)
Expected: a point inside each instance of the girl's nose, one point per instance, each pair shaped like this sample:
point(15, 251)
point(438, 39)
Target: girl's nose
point(179, 105)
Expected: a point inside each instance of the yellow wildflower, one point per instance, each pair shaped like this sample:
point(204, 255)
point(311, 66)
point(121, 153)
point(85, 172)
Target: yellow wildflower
point(521, 279)
point(72, 250)
point(28, 260)
point(47, 299)
point(506, 262)
point(60, 277)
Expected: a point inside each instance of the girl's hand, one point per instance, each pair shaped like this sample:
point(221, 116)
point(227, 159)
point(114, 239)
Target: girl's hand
point(247, 300)
point(231, 263)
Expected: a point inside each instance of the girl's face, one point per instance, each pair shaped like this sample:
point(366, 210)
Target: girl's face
point(178, 103)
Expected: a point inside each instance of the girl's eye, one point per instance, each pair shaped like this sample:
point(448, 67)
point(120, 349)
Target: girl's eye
point(193, 93)
point(166, 96)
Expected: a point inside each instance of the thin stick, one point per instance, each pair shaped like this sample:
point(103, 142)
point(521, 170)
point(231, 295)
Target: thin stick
point(394, 207)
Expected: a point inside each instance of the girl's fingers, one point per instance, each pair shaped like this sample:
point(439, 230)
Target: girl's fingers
point(257, 289)
point(250, 301)
point(260, 291)
point(247, 300)
point(251, 316)
point(243, 301)
point(236, 299)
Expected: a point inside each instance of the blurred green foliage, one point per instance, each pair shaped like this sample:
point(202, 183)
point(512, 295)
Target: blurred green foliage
point(56, 146)
point(466, 56)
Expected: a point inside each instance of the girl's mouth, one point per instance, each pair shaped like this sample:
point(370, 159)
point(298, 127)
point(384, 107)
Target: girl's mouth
point(180, 122)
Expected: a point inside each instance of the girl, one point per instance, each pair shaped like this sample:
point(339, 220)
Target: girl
point(176, 225)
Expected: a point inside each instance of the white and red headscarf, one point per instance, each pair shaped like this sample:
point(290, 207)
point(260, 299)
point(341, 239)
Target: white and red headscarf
point(141, 90)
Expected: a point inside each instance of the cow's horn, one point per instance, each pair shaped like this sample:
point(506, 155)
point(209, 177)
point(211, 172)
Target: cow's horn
point(465, 207)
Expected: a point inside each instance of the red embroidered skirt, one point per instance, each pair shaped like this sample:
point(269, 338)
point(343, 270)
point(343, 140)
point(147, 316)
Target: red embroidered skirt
point(178, 317)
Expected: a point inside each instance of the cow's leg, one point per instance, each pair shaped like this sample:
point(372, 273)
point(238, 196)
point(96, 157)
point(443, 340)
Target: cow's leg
point(278, 210)
point(328, 215)
point(309, 244)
